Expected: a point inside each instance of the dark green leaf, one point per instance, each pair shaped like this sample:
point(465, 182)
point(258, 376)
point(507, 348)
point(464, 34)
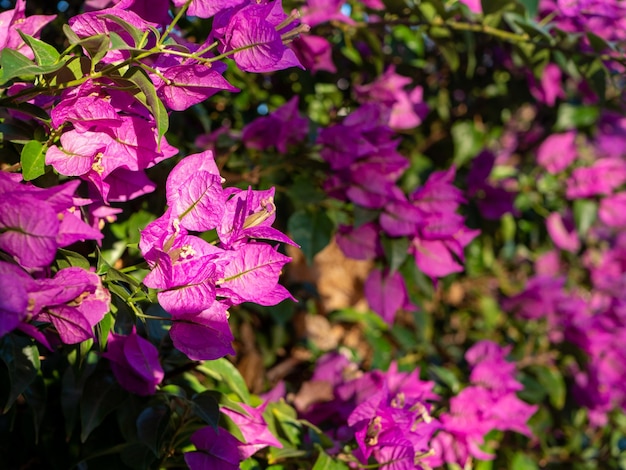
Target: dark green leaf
point(44, 53)
point(26, 108)
point(598, 43)
point(312, 230)
point(102, 395)
point(494, 6)
point(137, 456)
point(33, 160)
point(20, 134)
point(152, 426)
point(35, 396)
point(206, 408)
point(22, 360)
point(72, 385)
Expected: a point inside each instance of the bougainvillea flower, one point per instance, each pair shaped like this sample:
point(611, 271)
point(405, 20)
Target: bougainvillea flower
point(203, 336)
point(254, 429)
point(156, 11)
point(75, 301)
point(90, 112)
point(27, 234)
point(13, 20)
point(489, 403)
point(191, 84)
point(134, 362)
point(216, 450)
point(434, 258)
point(15, 285)
point(251, 275)
point(612, 211)
point(438, 194)
point(283, 127)
point(492, 198)
point(550, 87)
point(400, 218)
point(77, 153)
point(362, 242)
point(208, 8)
point(323, 11)
point(473, 5)
point(314, 53)
point(96, 22)
point(407, 108)
point(255, 31)
point(610, 139)
point(563, 232)
point(372, 189)
point(188, 276)
point(194, 192)
point(386, 294)
point(249, 214)
point(557, 152)
point(603, 177)
point(389, 425)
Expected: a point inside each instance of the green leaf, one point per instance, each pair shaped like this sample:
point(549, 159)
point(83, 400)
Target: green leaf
point(45, 54)
point(96, 46)
point(33, 160)
point(22, 360)
point(16, 65)
point(585, 212)
point(571, 117)
point(598, 43)
point(468, 141)
point(521, 461)
point(149, 98)
point(134, 32)
point(102, 395)
point(66, 259)
point(396, 251)
point(287, 421)
point(494, 6)
point(352, 55)
point(26, 108)
point(312, 230)
point(205, 407)
point(447, 377)
point(152, 426)
point(450, 53)
point(231, 376)
point(553, 382)
point(326, 462)
point(531, 6)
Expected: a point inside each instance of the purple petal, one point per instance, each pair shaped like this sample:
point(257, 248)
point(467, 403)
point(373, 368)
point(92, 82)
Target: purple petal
point(27, 234)
point(205, 336)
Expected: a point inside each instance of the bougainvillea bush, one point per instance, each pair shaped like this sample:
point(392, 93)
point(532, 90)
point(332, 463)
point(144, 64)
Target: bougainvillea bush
point(174, 174)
